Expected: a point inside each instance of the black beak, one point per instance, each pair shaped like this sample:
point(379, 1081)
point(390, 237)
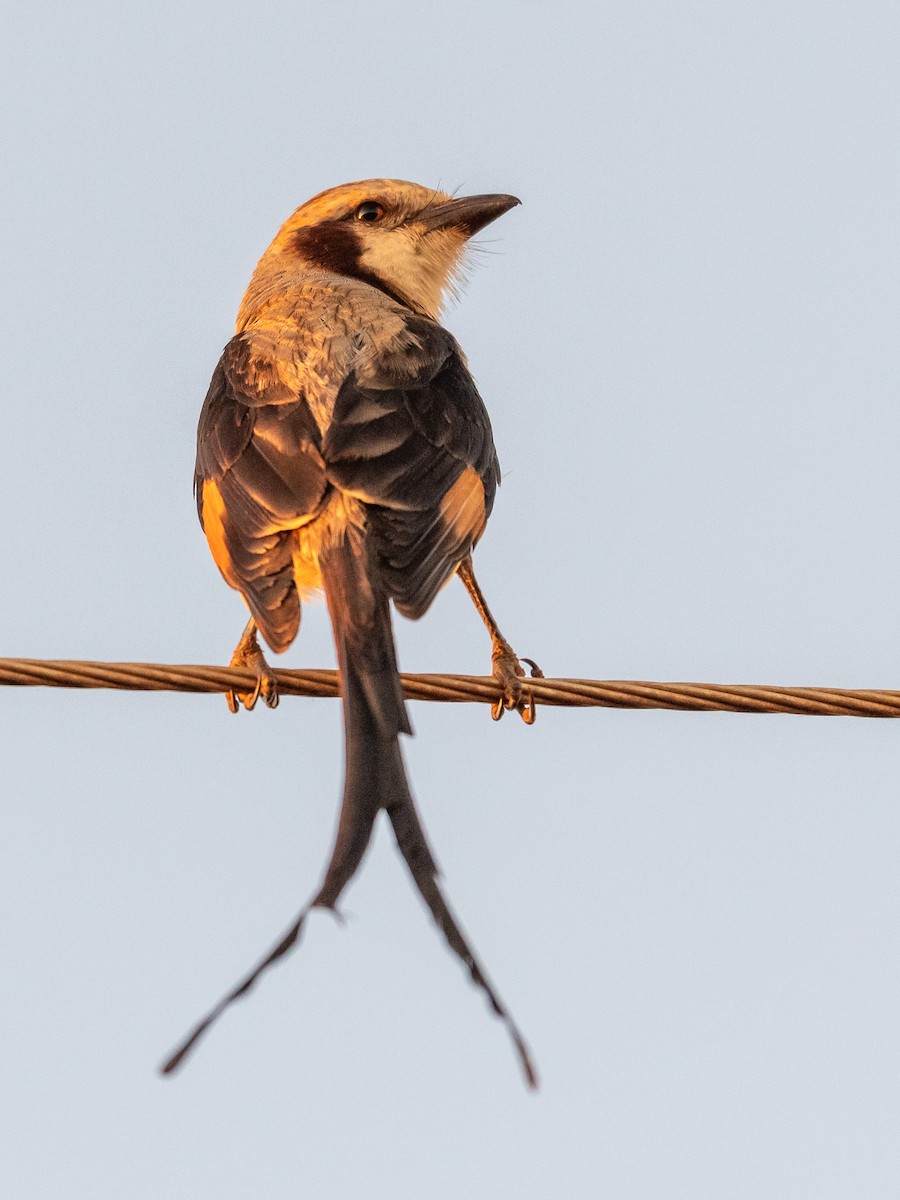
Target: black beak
point(468, 214)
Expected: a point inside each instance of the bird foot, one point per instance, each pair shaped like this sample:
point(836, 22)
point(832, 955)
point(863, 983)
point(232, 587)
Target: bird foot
point(509, 673)
point(248, 657)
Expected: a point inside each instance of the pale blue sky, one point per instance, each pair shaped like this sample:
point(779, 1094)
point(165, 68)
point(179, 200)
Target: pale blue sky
point(687, 339)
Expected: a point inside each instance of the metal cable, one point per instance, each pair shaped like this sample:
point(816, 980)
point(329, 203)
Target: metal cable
point(579, 693)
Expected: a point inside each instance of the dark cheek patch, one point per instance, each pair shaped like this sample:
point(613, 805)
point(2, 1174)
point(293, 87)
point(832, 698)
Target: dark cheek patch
point(331, 247)
point(335, 247)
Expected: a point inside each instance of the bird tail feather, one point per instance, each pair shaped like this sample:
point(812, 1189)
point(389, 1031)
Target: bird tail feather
point(374, 779)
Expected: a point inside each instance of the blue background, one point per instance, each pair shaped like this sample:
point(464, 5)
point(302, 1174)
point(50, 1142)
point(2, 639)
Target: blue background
point(687, 338)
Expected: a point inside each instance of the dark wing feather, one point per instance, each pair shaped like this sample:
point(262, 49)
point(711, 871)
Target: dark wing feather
point(259, 475)
point(411, 437)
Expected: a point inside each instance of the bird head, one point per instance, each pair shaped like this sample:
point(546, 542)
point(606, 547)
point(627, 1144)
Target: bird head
point(404, 239)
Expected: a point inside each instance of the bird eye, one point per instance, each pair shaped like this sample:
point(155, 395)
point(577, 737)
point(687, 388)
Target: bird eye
point(369, 211)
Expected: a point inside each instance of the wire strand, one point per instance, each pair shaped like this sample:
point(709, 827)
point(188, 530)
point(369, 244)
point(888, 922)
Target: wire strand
point(455, 689)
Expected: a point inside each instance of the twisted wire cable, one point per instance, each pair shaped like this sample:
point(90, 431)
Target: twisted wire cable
point(576, 693)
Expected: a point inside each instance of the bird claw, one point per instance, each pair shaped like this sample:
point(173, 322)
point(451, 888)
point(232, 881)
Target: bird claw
point(248, 657)
point(508, 672)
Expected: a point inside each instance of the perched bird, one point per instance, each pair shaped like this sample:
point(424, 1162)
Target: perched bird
point(344, 446)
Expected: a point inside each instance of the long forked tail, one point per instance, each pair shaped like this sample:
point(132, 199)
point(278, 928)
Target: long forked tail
point(374, 717)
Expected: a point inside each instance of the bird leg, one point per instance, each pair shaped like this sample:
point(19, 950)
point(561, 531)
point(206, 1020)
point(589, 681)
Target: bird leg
point(248, 657)
point(507, 666)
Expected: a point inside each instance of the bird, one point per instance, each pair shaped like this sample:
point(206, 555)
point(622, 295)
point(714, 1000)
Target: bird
point(343, 447)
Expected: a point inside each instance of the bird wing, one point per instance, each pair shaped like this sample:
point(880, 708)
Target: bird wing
point(411, 438)
point(259, 476)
